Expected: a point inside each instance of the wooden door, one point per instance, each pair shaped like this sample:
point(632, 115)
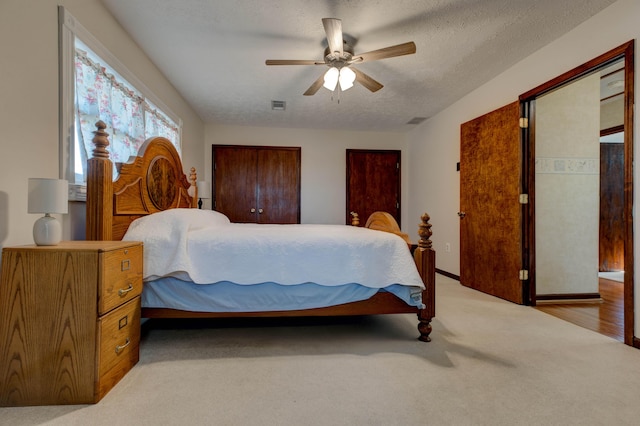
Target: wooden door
point(234, 182)
point(490, 222)
point(611, 207)
point(278, 186)
point(373, 183)
point(257, 184)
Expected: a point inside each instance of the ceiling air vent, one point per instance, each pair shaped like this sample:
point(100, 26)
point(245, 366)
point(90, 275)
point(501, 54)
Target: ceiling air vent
point(416, 120)
point(278, 105)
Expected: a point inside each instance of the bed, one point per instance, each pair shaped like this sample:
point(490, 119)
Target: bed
point(151, 192)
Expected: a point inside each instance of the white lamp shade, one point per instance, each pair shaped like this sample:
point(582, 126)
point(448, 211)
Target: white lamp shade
point(331, 78)
point(347, 77)
point(48, 196)
point(204, 189)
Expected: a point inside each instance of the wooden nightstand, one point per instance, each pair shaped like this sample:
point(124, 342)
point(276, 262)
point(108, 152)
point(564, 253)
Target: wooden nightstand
point(69, 320)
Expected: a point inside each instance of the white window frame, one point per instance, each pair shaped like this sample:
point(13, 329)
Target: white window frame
point(68, 30)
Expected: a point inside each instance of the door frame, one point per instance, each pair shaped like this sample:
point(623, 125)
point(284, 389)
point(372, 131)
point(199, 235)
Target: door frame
point(527, 101)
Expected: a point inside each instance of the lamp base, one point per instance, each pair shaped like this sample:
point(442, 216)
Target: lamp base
point(47, 231)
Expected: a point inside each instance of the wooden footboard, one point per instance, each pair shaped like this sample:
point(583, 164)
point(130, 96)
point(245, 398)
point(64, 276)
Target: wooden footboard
point(423, 255)
point(154, 181)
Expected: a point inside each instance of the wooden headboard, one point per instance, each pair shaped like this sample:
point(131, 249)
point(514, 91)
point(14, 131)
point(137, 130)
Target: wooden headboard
point(152, 181)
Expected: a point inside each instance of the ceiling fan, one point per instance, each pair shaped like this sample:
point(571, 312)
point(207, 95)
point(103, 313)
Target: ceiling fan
point(339, 57)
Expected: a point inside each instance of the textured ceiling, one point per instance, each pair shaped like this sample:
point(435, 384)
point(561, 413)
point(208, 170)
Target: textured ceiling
point(214, 52)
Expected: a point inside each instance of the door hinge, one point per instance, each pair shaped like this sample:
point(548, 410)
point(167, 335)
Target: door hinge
point(524, 198)
point(524, 123)
point(397, 166)
point(524, 274)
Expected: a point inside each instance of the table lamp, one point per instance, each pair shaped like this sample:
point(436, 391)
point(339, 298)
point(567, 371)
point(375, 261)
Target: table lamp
point(204, 191)
point(48, 196)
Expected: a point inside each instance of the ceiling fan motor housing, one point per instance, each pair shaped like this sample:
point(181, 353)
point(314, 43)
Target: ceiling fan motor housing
point(333, 59)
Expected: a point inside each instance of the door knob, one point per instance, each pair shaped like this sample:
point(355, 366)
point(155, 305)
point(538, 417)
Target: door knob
point(253, 210)
point(462, 215)
point(260, 211)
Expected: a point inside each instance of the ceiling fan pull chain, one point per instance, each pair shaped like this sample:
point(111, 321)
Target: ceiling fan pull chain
point(337, 93)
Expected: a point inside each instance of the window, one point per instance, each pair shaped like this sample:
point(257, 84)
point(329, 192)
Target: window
point(95, 86)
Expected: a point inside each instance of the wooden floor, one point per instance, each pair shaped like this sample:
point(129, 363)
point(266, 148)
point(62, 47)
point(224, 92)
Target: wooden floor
point(606, 317)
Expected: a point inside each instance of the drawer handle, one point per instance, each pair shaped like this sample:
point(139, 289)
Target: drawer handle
point(123, 291)
point(120, 348)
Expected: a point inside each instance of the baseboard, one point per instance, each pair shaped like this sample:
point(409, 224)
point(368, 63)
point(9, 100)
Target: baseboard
point(636, 342)
point(548, 299)
point(448, 274)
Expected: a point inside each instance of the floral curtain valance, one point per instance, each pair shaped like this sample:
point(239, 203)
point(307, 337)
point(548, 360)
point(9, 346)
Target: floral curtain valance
point(130, 118)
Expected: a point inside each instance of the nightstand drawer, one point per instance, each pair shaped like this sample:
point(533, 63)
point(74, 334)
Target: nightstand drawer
point(119, 341)
point(121, 278)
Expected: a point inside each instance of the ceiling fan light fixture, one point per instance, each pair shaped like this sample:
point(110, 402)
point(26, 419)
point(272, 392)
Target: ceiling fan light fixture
point(346, 79)
point(331, 78)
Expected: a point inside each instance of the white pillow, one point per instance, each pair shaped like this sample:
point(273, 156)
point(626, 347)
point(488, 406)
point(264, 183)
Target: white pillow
point(175, 219)
point(196, 218)
point(203, 218)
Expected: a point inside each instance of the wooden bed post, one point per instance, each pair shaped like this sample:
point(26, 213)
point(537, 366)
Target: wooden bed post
point(193, 178)
point(100, 188)
point(425, 258)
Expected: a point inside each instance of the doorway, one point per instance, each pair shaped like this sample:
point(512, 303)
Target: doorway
point(563, 182)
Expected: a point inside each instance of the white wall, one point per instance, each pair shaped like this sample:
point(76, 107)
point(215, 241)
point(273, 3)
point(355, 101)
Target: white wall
point(434, 145)
point(29, 98)
point(568, 188)
point(323, 168)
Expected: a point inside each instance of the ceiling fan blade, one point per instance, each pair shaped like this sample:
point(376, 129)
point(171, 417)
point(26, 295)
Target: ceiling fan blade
point(387, 52)
point(367, 81)
point(315, 86)
point(333, 28)
point(292, 62)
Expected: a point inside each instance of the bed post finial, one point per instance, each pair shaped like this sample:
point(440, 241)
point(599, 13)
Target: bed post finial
point(101, 141)
point(193, 189)
point(355, 219)
point(193, 177)
point(424, 231)
point(100, 188)
point(425, 258)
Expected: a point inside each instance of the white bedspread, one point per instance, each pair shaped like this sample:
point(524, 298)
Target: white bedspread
point(203, 247)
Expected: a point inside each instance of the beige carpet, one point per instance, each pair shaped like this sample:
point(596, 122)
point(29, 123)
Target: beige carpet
point(490, 363)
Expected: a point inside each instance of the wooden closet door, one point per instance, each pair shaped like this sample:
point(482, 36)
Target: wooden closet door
point(278, 186)
point(257, 184)
point(235, 174)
